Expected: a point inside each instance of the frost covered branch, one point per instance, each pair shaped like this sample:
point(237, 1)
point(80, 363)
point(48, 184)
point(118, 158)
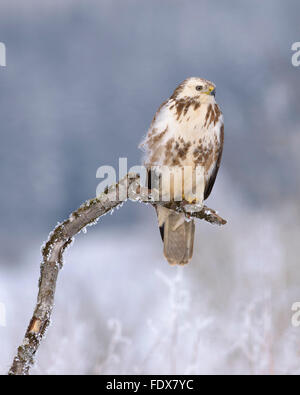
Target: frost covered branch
point(61, 238)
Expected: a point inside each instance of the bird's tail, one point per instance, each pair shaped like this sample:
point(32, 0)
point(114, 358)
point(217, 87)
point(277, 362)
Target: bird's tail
point(177, 234)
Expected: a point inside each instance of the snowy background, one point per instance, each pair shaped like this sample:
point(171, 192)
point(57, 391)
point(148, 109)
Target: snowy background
point(82, 82)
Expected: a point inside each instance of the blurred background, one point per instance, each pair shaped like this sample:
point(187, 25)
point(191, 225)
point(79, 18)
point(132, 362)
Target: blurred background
point(82, 83)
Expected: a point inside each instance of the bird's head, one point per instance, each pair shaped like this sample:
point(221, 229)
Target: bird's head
point(195, 88)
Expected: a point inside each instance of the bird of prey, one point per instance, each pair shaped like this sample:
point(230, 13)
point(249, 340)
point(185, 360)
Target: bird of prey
point(187, 132)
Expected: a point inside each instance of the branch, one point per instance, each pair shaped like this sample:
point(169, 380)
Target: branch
point(61, 238)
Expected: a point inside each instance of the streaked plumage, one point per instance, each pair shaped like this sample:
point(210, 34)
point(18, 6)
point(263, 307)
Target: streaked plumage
point(187, 130)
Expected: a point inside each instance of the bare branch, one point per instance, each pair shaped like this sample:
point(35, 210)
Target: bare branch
point(61, 238)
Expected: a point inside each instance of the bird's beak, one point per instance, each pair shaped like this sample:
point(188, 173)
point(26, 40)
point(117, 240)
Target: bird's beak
point(211, 91)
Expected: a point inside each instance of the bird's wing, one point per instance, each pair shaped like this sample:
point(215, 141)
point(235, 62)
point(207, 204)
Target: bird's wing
point(213, 174)
point(158, 134)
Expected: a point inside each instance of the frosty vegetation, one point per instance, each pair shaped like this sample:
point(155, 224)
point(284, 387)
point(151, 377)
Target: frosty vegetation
point(124, 310)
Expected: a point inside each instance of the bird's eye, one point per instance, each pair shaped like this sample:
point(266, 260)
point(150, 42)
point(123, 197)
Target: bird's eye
point(199, 87)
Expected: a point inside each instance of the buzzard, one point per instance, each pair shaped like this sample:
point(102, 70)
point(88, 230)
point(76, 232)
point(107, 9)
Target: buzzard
point(187, 133)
